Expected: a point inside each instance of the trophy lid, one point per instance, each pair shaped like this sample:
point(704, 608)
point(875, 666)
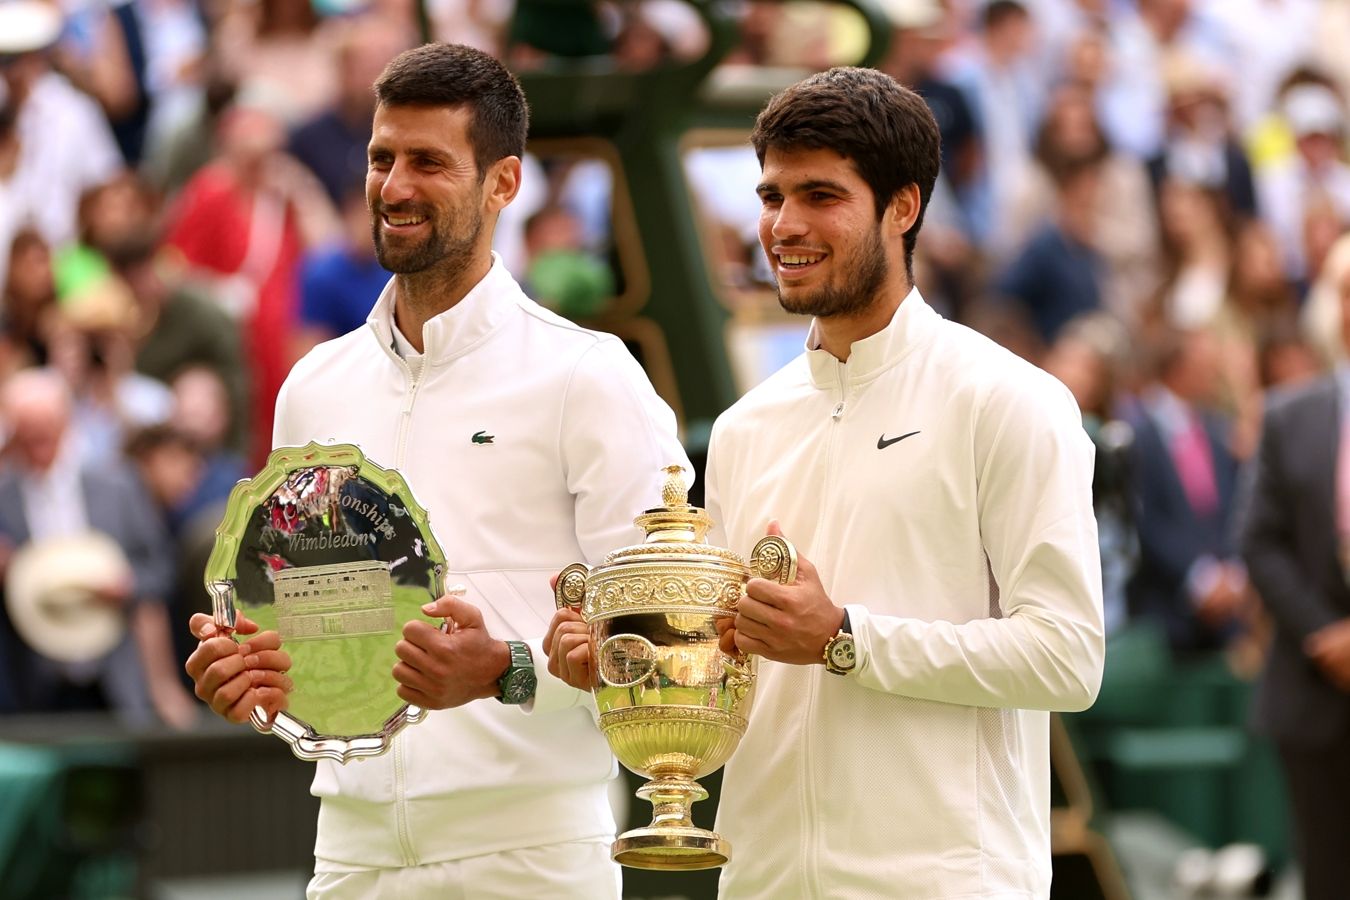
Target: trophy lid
point(675, 527)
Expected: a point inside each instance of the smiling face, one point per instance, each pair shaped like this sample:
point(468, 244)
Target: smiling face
point(425, 192)
point(820, 232)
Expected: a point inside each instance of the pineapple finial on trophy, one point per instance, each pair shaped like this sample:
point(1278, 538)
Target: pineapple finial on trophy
point(675, 491)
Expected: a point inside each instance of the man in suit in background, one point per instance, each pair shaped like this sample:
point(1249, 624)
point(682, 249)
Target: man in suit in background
point(45, 493)
point(1296, 542)
point(1189, 580)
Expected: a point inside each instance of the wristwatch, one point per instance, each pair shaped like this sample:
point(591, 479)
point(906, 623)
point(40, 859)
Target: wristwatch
point(518, 681)
point(840, 653)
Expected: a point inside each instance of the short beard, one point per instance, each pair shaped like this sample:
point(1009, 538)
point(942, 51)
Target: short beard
point(864, 280)
point(449, 254)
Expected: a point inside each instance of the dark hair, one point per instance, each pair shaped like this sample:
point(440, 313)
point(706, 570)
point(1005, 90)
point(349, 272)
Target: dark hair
point(142, 442)
point(456, 75)
point(882, 127)
point(999, 11)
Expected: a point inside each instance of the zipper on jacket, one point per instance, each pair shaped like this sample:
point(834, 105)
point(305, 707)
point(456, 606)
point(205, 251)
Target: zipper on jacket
point(405, 417)
point(400, 767)
point(810, 821)
point(401, 806)
point(842, 370)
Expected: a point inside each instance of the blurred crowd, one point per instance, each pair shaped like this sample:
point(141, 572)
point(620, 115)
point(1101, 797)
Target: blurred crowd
point(1146, 198)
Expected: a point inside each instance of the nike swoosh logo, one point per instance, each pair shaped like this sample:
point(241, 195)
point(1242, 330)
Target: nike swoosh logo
point(883, 442)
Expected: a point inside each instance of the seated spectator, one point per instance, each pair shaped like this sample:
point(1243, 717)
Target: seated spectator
point(1315, 172)
point(1058, 275)
point(1125, 224)
point(92, 347)
point(1197, 232)
point(47, 492)
point(340, 281)
point(333, 142)
point(177, 325)
point(28, 301)
point(1199, 145)
point(244, 221)
point(64, 142)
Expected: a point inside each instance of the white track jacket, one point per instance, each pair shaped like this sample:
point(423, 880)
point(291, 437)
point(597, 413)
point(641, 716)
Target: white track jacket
point(943, 488)
point(577, 442)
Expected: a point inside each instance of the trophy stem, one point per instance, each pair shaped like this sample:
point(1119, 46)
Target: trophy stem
point(672, 801)
point(672, 842)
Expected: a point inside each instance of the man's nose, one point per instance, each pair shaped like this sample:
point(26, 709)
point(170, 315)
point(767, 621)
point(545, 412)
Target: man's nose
point(788, 221)
point(397, 185)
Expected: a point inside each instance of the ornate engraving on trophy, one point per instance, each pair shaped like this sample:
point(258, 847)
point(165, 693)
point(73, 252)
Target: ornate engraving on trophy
point(333, 601)
point(332, 552)
point(672, 705)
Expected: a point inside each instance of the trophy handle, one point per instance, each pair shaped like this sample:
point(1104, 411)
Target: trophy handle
point(774, 558)
point(222, 606)
point(570, 589)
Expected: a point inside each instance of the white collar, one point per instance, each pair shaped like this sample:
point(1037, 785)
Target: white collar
point(913, 322)
point(461, 327)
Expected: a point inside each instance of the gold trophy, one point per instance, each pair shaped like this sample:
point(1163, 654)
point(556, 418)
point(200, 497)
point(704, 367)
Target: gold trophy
point(672, 705)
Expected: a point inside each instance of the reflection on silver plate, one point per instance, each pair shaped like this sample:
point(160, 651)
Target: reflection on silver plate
point(330, 551)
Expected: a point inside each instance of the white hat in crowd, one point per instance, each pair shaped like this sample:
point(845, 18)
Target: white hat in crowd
point(28, 25)
point(1313, 109)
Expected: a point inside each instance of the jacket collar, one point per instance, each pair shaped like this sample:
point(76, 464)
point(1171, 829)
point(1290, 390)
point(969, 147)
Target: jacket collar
point(913, 323)
point(461, 327)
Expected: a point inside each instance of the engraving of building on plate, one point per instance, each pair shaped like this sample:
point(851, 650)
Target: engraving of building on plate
point(334, 601)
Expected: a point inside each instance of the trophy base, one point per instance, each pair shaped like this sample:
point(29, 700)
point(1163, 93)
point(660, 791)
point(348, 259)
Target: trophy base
point(677, 849)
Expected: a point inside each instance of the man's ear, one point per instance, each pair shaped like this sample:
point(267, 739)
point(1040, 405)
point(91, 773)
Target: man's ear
point(502, 183)
point(903, 210)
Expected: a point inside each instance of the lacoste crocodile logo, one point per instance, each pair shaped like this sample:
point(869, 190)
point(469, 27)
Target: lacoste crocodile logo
point(883, 442)
point(482, 437)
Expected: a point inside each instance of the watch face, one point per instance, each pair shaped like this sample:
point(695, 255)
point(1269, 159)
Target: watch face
point(519, 687)
point(842, 655)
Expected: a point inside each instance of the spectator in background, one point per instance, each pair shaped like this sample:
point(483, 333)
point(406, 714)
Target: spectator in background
point(561, 274)
point(60, 143)
point(340, 282)
point(93, 348)
point(1134, 94)
point(1197, 241)
point(1296, 543)
point(918, 37)
point(1285, 358)
point(29, 299)
point(202, 413)
point(171, 467)
point(177, 325)
point(1258, 302)
point(1267, 38)
point(48, 493)
point(1189, 581)
point(1199, 146)
point(245, 221)
point(1001, 83)
point(1315, 173)
point(1320, 318)
point(1058, 275)
point(122, 209)
point(1124, 221)
point(278, 49)
point(1087, 357)
point(333, 143)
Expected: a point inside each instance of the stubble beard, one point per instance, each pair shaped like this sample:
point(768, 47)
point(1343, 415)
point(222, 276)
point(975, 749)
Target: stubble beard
point(445, 254)
point(864, 279)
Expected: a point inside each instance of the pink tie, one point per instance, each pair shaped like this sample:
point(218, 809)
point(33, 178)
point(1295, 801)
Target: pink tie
point(1195, 467)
